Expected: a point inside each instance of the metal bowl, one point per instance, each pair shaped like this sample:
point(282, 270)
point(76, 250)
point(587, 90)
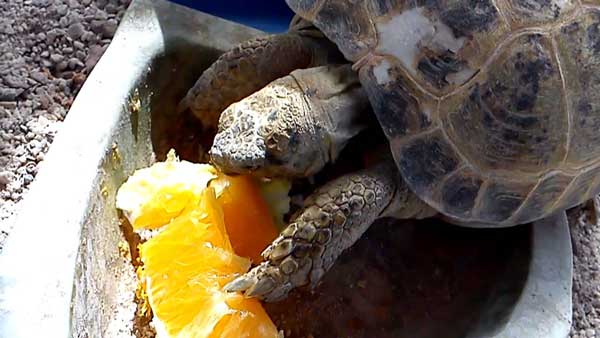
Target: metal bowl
point(63, 272)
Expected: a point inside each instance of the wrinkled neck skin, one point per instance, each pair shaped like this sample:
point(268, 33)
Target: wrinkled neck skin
point(294, 126)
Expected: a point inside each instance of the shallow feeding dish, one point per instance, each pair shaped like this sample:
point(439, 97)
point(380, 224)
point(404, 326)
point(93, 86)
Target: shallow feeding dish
point(62, 273)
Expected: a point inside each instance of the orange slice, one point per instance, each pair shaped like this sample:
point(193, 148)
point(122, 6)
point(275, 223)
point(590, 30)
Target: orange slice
point(152, 196)
point(184, 269)
point(247, 216)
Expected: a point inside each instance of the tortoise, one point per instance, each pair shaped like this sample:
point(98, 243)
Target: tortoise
point(491, 109)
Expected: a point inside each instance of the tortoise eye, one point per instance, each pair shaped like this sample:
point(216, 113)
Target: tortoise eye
point(277, 143)
point(271, 142)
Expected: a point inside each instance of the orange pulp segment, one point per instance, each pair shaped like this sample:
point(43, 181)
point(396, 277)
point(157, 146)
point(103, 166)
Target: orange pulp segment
point(152, 197)
point(247, 216)
point(184, 269)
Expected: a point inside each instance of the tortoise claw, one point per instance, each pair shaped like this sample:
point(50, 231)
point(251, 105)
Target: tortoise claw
point(264, 282)
point(241, 283)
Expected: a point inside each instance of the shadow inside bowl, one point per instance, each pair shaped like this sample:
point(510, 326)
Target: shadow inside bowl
point(418, 279)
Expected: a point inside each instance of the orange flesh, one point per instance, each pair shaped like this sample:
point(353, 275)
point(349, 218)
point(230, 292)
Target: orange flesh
point(247, 217)
point(206, 236)
point(185, 267)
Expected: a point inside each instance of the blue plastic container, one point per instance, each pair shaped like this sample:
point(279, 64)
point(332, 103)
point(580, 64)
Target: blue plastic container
point(268, 15)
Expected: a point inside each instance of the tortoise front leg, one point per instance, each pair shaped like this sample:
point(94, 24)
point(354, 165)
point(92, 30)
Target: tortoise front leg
point(251, 66)
point(333, 219)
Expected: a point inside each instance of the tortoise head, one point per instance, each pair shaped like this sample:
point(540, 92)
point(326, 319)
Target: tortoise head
point(268, 134)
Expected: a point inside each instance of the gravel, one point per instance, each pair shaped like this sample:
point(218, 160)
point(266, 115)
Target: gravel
point(585, 233)
point(47, 49)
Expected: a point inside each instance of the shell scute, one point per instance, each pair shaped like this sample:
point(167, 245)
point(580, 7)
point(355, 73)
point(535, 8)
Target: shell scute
point(548, 190)
point(425, 162)
point(536, 12)
point(348, 25)
point(580, 189)
point(579, 50)
point(501, 199)
point(397, 104)
point(303, 7)
point(459, 193)
point(513, 117)
point(444, 43)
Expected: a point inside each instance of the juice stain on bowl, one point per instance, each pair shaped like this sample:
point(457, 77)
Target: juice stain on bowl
point(191, 256)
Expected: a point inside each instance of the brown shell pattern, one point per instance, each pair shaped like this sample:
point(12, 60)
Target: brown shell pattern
point(491, 107)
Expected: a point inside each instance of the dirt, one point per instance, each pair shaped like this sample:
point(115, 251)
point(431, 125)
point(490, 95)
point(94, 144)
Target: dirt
point(585, 233)
point(47, 49)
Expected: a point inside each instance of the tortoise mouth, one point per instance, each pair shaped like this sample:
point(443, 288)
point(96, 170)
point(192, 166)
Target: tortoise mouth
point(232, 155)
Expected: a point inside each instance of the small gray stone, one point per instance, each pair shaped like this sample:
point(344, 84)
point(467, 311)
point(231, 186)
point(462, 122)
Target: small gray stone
point(46, 64)
point(101, 3)
point(96, 26)
point(110, 8)
point(39, 77)
point(61, 10)
point(101, 15)
point(27, 178)
point(74, 17)
point(80, 55)
point(62, 66)
point(40, 3)
point(5, 178)
point(53, 34)
point(94, 55)
point(89, 37)
point(16, 81)
point(45, 101)
point(9, 94)
point(75, 31)
point(109, 28)
point(7, 29)
point(78, 45)
point(45, 54)
point(67, 50)
point(56, 58)
point(66, 75)
point(75, 63)
point(63, 22)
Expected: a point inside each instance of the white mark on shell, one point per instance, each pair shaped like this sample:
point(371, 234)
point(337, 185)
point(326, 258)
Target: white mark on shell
point(405, 34)
point(381, 72)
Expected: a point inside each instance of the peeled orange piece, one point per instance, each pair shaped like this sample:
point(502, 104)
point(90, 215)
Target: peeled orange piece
point(250, 320)
point(275, 193)
point(184, 269)
point(247, 216)
point(210, 224)
point(153, 196)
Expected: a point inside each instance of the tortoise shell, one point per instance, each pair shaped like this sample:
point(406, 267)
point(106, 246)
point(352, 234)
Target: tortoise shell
point(491, 107)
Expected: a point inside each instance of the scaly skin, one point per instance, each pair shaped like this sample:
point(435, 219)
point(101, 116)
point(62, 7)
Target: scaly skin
point(333, 218)
point(293, 126)
point(251, 66)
